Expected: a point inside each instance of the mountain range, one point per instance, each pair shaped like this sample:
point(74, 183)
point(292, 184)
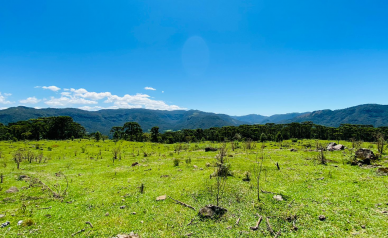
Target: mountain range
point(104, 120)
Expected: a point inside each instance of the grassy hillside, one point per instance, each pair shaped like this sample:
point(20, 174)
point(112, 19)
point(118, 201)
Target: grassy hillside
point(106, 193)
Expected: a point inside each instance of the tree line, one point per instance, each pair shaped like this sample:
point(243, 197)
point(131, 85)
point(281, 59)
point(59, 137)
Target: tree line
point(63, 127)
point(51, 128)
point(268, 132)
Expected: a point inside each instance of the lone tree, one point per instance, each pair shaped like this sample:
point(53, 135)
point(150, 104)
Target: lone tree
point(98, 136)
point(132, 131)
point(155, 134)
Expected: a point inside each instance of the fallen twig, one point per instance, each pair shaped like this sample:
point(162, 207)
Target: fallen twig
point(266, 192)
point(269, 228)
point(289, 205)
point(78, 232)
point(182, 203)
point(44, 208)
point(90, 224)
point(238, 221)
point(278, 234)
point(253, 228)
point(294, 226)
point(191, 222)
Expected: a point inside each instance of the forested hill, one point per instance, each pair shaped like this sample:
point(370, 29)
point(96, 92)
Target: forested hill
point(104, 120)
point(259, 119)
point(367, 114)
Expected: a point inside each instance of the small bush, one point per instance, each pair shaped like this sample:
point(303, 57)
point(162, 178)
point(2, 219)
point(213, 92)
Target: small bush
point(247, 176)
point(49, 148)
point(28, 222)
point(176, 162)
point(294, 140)
point(188, 160)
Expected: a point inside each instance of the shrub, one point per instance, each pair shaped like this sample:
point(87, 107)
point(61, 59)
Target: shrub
point(188, 160)
point(247, 176)
point(176, 162)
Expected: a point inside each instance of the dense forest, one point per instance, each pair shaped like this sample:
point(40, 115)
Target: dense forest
point(63, 127)
point(51, 128)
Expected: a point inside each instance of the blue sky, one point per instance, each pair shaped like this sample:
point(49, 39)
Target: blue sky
point(233, 57)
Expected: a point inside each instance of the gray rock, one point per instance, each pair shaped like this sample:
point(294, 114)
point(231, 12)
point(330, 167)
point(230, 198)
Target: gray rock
point(131, 235)
point(12, 190)
point(333, 146)
point(5, 224)
point(322, 217)
point(278, 197)
point(365, 154)
point(211, 211)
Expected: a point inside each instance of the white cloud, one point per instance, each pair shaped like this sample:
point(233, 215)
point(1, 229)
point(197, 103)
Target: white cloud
point(68, 101)
point(90, 100)
point(3, 98)
point(30, 100)
point(90, 95)
point(89, 108)
point(149, 88)
point(162, 91)
point(140, 101)
point(52, 88)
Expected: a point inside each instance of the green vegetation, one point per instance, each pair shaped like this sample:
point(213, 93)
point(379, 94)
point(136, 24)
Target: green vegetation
point(104, 188)
point(103, 120)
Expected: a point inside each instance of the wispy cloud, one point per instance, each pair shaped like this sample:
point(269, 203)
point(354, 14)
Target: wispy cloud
point(30, 100)
point(149, 88)
point(3, 98)
point(52, 88)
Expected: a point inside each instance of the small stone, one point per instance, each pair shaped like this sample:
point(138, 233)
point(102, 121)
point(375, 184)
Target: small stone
point(195, 167)
point(200, 168)
point(12, 190)
point(363, 226)
point(23, 177)
point(322, 217)
point(133, 213)
point(131, 235)
point(2, 215)
point(142, 221)
point(278, 197)
point(122, 207)
point(123, 200)
point(5, 224)
point(107, 214)
point(160, 198)
point(229, 227)
point(20, 222)
point(210, 211)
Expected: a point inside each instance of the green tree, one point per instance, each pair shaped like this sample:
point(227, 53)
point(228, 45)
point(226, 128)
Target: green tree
point(263, 137)
point(155, 134)
point(132, 131)
point(97, 136)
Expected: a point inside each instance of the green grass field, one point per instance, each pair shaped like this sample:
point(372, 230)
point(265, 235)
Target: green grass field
point(106, 193)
